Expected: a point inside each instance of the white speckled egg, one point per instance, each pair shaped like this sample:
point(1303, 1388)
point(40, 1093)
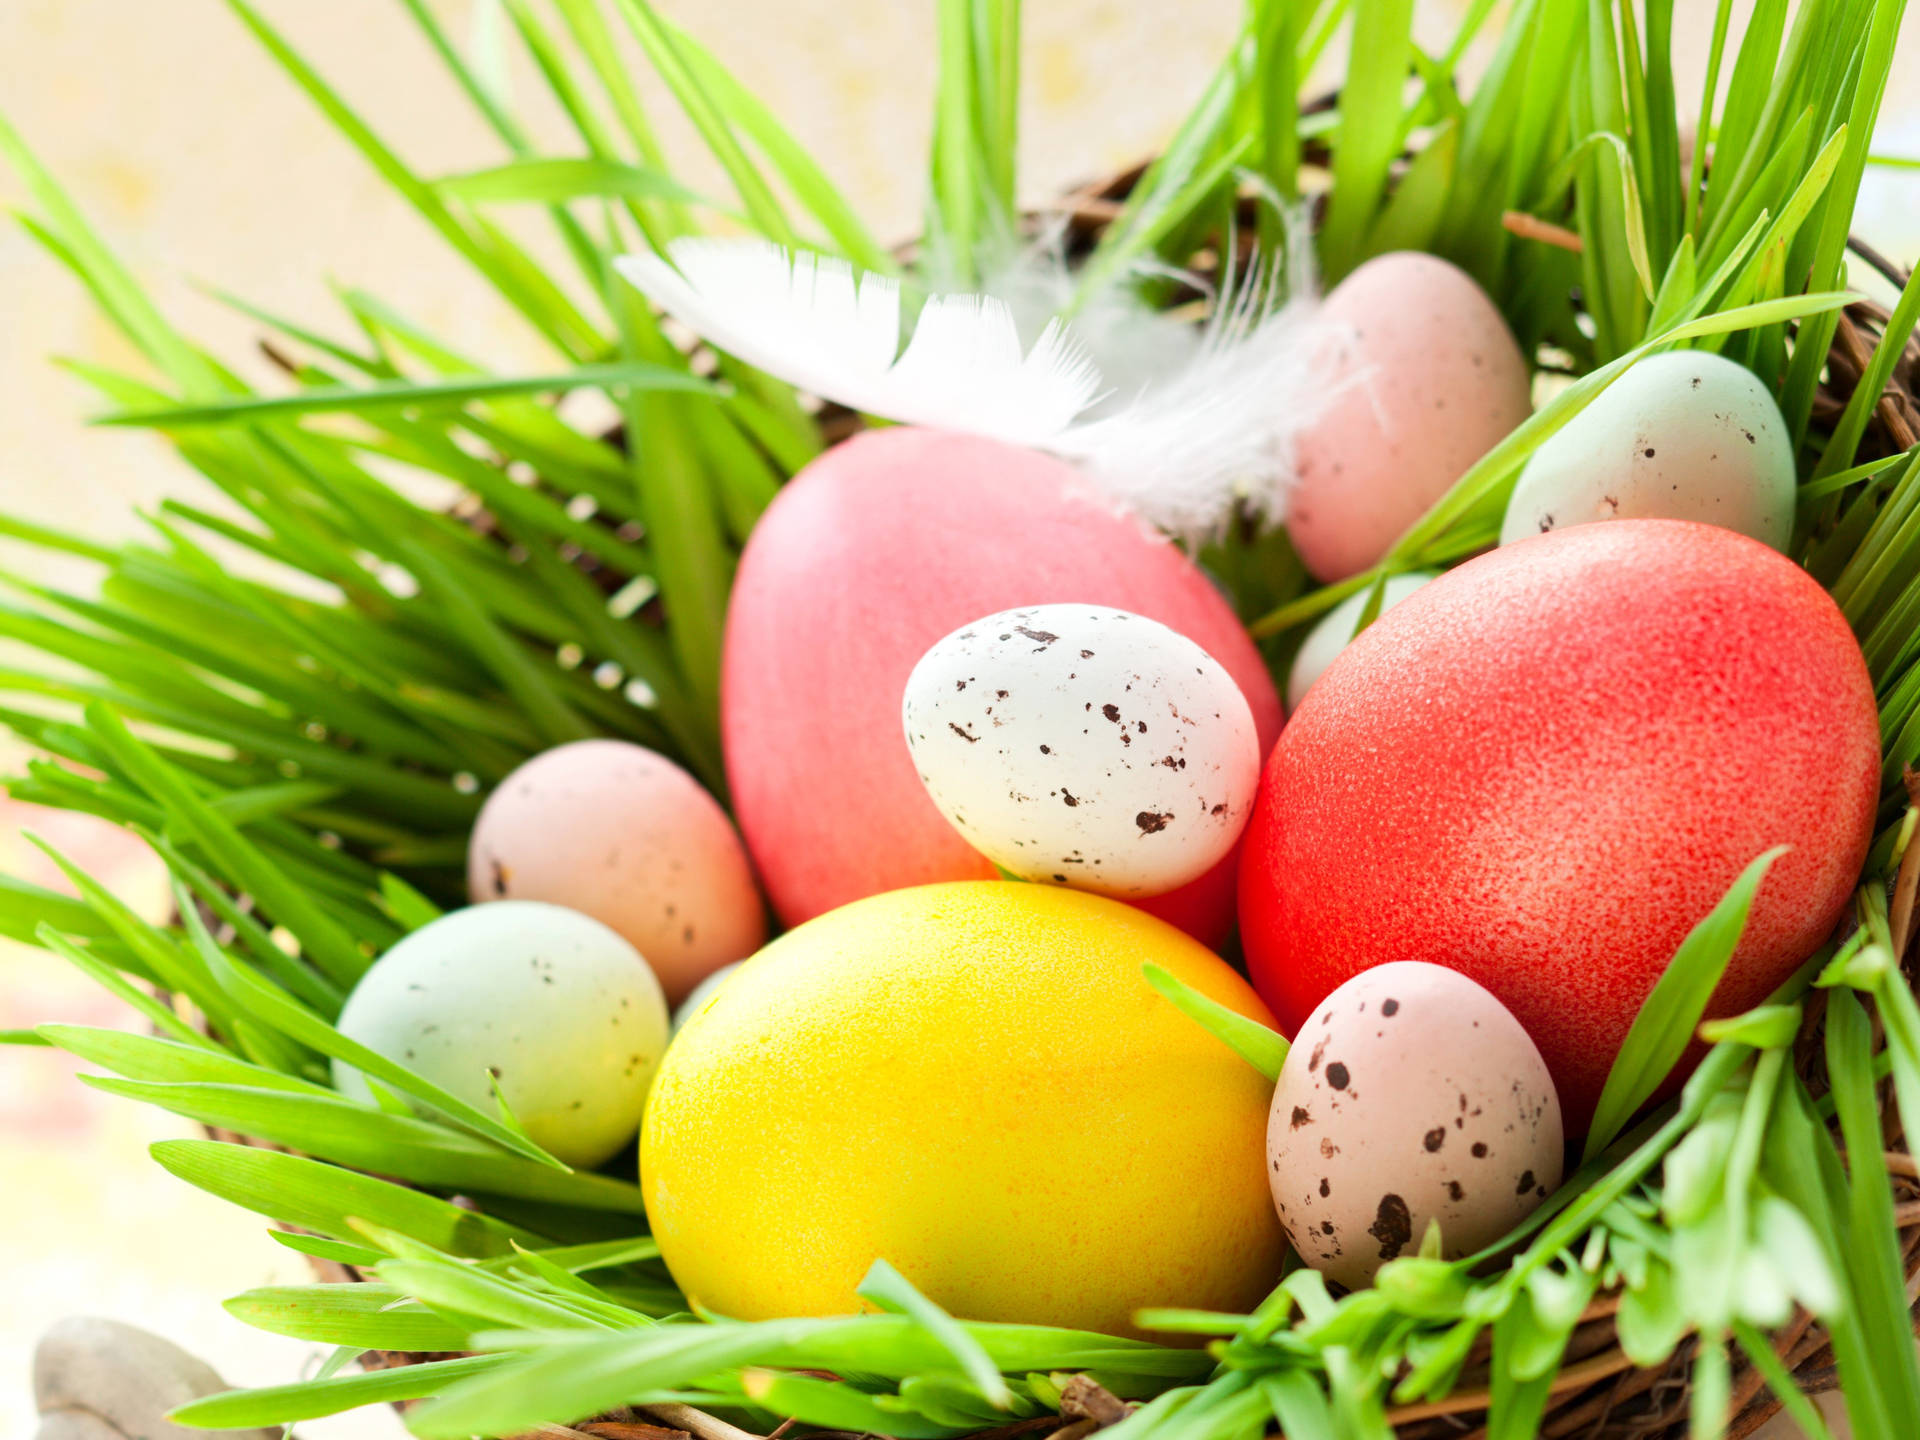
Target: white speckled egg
point(1425, 379)
point(1410, 1095)
point(1683, 436)
point(624, 835)
point(1336, 629)
point(563, 1011)
point(1078, 745)
point(703, 992)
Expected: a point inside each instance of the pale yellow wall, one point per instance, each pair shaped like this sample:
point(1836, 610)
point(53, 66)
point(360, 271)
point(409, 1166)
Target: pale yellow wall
point(200, 162)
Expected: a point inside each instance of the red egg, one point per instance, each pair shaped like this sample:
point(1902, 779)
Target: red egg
point(1545, 767)
point(872, 553)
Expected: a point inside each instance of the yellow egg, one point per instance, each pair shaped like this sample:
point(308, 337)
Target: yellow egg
point(975, 1082)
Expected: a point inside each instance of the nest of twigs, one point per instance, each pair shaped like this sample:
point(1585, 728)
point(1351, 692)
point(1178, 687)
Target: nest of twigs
point(1598, 1393)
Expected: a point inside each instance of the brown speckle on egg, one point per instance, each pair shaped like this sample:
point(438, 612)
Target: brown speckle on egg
point(1392, 1226)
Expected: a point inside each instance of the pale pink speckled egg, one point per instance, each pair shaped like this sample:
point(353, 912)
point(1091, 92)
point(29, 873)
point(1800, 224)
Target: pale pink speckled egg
point(1410, 1096)
point(624, 835)
point(1425, 379)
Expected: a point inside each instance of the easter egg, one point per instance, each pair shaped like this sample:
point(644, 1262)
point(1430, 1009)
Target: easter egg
point(1083, 746)
point(625, 835)
point(1684, 436)
point(703, 992)
point(562, 1012)
point(1410, 1097)
point(1544, 768)
point(867, 557)
point(1423, 378)
point(974, 1081)
point(1336, 630)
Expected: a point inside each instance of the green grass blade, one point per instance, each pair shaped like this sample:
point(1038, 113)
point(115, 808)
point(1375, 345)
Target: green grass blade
point(839, 1407)
point(314, 1399)
point(320, 935)
point(117, 289)
point(803, 178)
point(269, 1005)
point(1264, 1049)
point(152, 1058)
point(363, 1137)
point(1872, 1256)
point(326, 1198)
point(364, 399)
point(1845, 444)
point(562, 329)
point(1673, 1008)
point(1369, 135)
point(367, 1317)
point(708, 117)
point(110, 979)
point(557, 181)
point(890, 1290)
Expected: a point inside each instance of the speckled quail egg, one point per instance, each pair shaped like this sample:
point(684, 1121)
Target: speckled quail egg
point(1083, 746)
point(625, 835)
point(1683, 436)
point(561, 1011)
point(1410, 1095)
point(1336, 630)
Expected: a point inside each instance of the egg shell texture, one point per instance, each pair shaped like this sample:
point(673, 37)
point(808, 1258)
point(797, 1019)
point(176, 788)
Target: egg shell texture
point(1410, 1095)
point(1684, 436)
point(623, 834)
point(1423, 378)
point(867, 557)
point(1336, 631)
point(975, 1081)
point(563, 1011)
point(1077, 745)
point(1545, 767)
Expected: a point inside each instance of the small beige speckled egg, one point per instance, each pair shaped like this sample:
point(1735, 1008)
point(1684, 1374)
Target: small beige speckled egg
point(624, 835)
point(1425, 379)
point(1410, 1095)
point(1083, 746)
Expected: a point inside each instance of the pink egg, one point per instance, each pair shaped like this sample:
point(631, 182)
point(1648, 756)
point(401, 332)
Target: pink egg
point(872, 553)
point(624, 835)
point(1426, 379)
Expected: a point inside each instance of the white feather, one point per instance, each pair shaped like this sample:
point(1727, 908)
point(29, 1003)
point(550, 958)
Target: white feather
point(815, 324)
point(1209, 427)
point(1216, 433)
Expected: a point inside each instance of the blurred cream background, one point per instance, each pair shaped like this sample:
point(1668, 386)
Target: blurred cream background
point(200, 162)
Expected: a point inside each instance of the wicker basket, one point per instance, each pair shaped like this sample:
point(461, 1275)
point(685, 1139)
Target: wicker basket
point(1599, 1394)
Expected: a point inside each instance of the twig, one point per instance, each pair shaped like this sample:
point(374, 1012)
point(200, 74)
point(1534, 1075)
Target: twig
point(1905, 887)
point(1574, 1377)
point(696, 1422)
point(1532, 227)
